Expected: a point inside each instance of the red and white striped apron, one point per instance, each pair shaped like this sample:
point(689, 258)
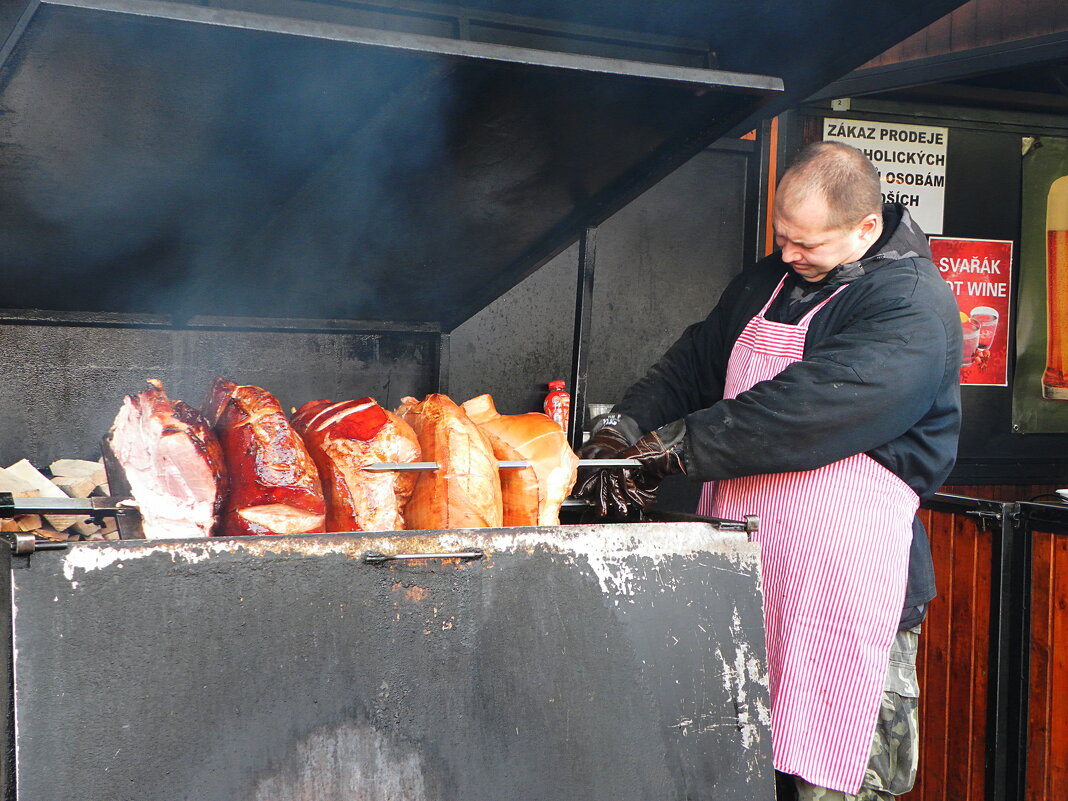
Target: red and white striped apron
point(834, 558)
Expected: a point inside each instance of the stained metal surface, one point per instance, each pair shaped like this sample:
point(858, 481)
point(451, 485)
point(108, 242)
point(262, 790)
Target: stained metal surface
point(171, 158)
point(595, 662)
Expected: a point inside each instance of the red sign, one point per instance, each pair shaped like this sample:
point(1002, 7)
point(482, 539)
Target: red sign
point(980, 273)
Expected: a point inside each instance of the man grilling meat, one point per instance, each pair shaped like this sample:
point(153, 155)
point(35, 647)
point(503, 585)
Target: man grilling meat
point(821, 394)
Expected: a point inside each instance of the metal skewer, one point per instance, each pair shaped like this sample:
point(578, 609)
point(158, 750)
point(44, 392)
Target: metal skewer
point(98, 506)
point(385, 467)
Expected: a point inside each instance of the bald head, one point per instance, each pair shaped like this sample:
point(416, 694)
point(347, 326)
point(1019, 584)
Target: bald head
point(839, 175)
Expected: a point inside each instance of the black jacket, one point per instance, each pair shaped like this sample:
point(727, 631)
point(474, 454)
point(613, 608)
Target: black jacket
point(880, 375)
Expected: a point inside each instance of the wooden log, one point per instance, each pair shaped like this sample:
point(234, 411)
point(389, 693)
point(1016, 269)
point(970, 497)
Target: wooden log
point(46, 489)
point(18, 487)
point(76, 486)
point(80, 468)
point(84, 528)
point(29, 522)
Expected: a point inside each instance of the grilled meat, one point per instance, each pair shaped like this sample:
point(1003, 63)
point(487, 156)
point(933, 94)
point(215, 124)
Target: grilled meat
point(274, 484)
point(532, 495)
point(172, 462)
point(466, 490)
point(342, 438)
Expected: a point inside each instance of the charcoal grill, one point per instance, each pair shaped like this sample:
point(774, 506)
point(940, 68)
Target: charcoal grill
point(602, 662)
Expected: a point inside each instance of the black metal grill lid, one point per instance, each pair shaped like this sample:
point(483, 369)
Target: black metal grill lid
point(171, 158)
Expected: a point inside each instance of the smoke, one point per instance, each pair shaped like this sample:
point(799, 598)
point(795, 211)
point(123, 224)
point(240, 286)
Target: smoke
point(192, 169)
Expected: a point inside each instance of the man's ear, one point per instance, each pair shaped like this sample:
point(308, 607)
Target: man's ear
point(869, 227)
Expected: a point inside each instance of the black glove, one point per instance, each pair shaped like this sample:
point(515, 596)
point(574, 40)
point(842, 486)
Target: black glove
point(620, 493)
point(610, 434)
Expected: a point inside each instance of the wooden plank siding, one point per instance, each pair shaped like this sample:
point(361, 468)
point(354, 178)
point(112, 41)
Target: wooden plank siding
point(1047, 769)
point(979, 23)
point(953, 662)
point(1040, 706)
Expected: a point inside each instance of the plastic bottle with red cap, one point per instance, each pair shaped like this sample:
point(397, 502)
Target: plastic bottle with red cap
point(558, 403)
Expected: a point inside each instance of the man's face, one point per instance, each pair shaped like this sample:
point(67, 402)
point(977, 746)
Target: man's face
point(810, 247)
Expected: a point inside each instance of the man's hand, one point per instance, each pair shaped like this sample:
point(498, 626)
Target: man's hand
point(620, 492)
point(610, 434)
point(660, 453)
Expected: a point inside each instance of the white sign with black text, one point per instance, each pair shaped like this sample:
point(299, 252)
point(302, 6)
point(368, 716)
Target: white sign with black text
point(911, 160)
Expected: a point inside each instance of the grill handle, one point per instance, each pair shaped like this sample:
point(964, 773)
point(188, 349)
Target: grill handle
point(372, 558)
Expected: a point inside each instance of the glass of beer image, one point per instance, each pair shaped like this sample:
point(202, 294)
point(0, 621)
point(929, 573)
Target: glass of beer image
point(1055, 379)
point(987, 318)
point(971, 330)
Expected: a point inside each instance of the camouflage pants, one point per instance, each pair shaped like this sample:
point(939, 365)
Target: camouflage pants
point(892, 765)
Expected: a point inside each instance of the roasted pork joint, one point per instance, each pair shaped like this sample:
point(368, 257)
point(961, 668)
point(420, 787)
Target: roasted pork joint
point(465, 491)
point(274, 484)
point(172, 462)
point(532, 495)
point(342, 438)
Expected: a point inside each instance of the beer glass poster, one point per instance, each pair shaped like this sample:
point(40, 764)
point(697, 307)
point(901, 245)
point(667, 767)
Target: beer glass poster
point(1040, 383)
point(979, 271)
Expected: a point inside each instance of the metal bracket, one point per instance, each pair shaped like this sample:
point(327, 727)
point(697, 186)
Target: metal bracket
point(373, 558)
point(24, 543)
point(985, 518)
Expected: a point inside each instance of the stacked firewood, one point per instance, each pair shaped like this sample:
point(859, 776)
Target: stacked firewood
point(73, 478)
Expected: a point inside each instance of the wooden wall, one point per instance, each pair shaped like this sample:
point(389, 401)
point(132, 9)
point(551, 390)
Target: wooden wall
point(952, 662)
point(954, 655)
point(980, 23)
point(1047, 774)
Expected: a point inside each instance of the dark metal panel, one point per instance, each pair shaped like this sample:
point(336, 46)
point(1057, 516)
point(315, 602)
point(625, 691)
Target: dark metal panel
point(175, 159)
point(64, 383)
point(949, 67)
point(776, 37)
point(463, 22)
point(600, 662)
point(662, 263)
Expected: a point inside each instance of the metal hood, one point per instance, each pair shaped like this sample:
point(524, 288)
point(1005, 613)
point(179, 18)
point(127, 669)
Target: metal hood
point(174, 159)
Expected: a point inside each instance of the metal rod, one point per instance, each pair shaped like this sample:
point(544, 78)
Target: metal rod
point(11, 506)
point(756, 188)
point(378, 558)
point(581, 345)
point(997, 698)
point(421, 44)
point(16, 32)
point(1017, 724)
point(444, 363)
point(389, 467)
